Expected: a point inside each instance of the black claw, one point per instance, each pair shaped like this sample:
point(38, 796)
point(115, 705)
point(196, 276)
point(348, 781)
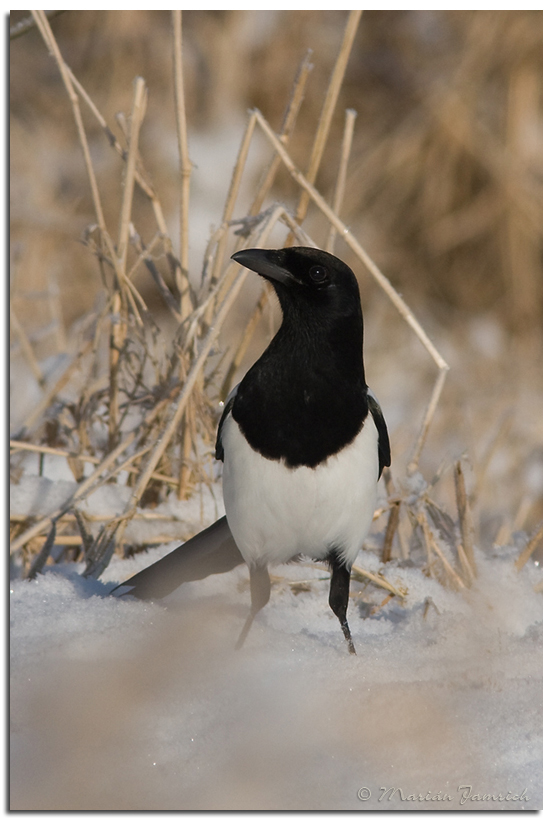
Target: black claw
point(349, 639)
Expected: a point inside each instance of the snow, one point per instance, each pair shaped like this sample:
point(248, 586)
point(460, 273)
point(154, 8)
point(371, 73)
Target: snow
point(119, 704)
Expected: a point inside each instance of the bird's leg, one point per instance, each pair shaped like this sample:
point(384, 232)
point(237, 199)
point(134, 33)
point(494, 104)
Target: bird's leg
point(260, 590)
point(339, 597)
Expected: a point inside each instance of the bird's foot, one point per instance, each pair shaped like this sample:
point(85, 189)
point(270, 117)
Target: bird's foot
point(349, 639)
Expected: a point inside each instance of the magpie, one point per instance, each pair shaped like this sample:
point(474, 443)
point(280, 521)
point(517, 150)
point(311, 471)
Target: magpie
point(302, 439)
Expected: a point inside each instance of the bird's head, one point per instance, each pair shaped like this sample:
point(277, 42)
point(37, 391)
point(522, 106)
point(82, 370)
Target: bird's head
point(306, 279)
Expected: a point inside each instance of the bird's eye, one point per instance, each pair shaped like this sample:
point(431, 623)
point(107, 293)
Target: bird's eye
point(318, 274)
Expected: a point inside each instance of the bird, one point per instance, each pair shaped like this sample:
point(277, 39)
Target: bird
point(302, 439)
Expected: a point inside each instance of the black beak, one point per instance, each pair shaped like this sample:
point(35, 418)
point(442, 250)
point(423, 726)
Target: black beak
point(264, 262)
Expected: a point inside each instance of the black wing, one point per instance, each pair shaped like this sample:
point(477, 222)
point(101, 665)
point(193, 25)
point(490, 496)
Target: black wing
point(384, 454)
point(219, 451)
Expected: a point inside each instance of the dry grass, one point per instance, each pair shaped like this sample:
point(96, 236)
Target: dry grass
point(133, 399)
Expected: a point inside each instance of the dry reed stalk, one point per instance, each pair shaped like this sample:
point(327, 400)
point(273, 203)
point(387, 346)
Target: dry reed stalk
point(428, 416)
point(232, 195)
point(522, 513)
point(465, 518)
point(139, 175)
point(330, 100)
point(296, 586)
point(138, 111)
point(433, 545)
point(29, 23)
point(189, 426)
point(117, 334)
point(376, 579)
point(60, 540)
point(468, 572)
point(85, 537)
point(27, 348)
point(391, 527)
point(298, 231)
point(403, 532)
point(296, 99)
point(529, 549)
point(75, 465)
point(393, 519)
point(418, 532)
point(503, 534)
point(185, 166)
point(345, 152)
point(379, 607)
point(119, 322)
point(208, 263)
point(51, 43)
point(42, 556)
point(507, 528)
point(77, 541)
point(133, 295)
point(70, 516)
point(124, 466)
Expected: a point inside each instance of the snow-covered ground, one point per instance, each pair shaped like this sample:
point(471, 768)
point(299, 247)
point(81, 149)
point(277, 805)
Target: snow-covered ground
point(121, 704)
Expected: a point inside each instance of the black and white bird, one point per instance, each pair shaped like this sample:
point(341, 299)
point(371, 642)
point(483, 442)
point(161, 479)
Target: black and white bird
point(302, 439)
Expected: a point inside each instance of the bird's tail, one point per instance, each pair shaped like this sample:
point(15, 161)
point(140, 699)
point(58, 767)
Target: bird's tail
point(210, 552)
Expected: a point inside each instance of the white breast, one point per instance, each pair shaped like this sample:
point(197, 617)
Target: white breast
point(275, 512)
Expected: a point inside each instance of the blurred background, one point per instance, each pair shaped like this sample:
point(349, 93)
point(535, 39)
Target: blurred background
point(444, 192)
